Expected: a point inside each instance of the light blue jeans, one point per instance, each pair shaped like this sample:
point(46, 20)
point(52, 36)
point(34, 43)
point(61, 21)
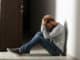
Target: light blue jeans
point(39, 39)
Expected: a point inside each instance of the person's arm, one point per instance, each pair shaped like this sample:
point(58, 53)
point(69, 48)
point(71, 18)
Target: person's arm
point(56, 31)
point(44, 30)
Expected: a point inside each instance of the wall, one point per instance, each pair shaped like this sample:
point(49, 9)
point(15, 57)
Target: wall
point(66, 10)
point(39, 8)
point(78, 29)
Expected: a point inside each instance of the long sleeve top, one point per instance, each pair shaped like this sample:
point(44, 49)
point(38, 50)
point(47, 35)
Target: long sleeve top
point(57, 35)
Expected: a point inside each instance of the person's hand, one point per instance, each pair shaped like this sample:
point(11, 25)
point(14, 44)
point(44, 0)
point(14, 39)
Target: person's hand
point(44, 22)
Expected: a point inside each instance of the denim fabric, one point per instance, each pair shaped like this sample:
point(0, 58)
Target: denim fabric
point(39, 39)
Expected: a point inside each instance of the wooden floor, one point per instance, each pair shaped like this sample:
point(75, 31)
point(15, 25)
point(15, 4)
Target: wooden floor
point(34, 55)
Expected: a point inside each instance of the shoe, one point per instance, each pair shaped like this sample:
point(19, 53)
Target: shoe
point(15, 50)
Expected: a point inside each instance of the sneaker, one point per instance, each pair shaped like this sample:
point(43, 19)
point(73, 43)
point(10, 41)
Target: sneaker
point(15, 50)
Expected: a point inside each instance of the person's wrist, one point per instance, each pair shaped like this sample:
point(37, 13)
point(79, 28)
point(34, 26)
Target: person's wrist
point(44, 24)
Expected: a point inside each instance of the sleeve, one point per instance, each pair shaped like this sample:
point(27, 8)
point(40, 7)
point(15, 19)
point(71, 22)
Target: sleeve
point(45, 32)
point(56, 31)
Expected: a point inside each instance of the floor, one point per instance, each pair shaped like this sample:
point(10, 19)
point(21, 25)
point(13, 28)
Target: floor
point(40, 54)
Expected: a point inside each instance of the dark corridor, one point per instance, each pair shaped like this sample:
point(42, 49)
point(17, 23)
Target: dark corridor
point(34, 10)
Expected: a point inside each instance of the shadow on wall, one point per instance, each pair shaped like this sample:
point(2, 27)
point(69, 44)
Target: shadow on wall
point(34, 11)
point(66, 37)
point(0, 9)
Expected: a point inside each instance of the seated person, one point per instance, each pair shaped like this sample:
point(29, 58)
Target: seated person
point(51, 37)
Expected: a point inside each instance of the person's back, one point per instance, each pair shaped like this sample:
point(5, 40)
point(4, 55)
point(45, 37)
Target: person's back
point(59, 37)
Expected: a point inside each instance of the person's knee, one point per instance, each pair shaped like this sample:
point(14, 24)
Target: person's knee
point(39, 33)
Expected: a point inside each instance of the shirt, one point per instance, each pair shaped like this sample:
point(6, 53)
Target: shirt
point(57, 35)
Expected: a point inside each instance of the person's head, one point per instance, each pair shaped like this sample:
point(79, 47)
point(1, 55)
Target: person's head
point(50, 21)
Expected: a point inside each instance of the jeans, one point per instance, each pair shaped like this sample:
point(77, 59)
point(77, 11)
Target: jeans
point(39, 39)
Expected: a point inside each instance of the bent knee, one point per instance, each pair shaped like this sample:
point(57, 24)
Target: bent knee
point(39, 33)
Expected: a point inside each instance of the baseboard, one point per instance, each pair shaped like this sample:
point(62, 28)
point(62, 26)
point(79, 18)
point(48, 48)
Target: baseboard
point(74, 57)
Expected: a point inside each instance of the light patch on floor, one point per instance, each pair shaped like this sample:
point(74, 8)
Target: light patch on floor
point(34, 55)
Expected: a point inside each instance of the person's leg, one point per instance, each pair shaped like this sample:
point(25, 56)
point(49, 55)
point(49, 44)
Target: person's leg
point(38, 38)
point(25, 48)
point(50, 47)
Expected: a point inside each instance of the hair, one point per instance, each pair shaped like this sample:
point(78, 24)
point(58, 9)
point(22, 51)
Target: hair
point(48, 18)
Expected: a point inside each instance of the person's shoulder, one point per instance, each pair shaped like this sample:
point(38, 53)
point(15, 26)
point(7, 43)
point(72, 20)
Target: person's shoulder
point(60, 25)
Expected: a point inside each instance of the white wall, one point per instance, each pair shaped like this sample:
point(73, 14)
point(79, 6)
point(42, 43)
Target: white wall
point(60, 11)
point(78, 29)
point(66, 10)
